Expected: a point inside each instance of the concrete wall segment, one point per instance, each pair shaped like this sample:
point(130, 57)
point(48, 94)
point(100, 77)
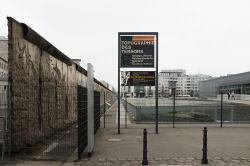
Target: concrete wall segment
point(43, 85)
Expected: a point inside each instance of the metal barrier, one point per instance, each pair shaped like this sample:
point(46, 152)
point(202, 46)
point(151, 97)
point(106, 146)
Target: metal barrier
point(82, 119)
point(97, 111)
point(189, 110)
point(56, 127)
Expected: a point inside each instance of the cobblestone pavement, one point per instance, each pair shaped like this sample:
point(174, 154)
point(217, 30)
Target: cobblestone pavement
point(194, 161)
point(165, 161)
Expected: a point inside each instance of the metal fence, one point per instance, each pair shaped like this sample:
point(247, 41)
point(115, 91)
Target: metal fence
point(5, 141)
point(217, 109)
point(97, 111)
point(48, 122)
point(82, 119)
point(44, 121)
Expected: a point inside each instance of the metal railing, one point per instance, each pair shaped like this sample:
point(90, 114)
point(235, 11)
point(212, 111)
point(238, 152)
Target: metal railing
point(48, 122)
point(218, 109)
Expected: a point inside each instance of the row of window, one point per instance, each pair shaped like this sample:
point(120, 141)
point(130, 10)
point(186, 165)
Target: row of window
point(3, 75)
point(3, 66)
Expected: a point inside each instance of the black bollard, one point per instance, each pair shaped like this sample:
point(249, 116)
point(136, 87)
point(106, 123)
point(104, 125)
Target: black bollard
point(145, 149)
point(204, 150)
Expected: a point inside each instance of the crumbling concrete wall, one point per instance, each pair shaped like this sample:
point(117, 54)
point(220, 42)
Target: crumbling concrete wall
point(43, 86)
point(43, 94)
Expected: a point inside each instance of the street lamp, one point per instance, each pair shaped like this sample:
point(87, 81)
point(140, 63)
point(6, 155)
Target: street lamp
point(172, 86)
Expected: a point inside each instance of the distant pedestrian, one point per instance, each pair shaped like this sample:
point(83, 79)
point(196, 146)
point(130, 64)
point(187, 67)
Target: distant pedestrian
point(228, 95)
point(232, 95)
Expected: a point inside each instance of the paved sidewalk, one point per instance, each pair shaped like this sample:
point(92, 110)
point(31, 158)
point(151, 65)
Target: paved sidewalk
point(172, 146)
point(123, 115)
point(182, 145)
point(166, 161)
point(181, 161)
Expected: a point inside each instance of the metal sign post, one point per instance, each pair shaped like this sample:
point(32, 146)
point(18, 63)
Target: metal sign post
point(174, 90)
point(118, 95)
point(221, 110)
point(156, 88)
point(172, 85)
point(138, 50)
point(126, 111)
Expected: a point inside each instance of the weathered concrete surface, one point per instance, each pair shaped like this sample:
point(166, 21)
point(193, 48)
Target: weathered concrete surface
point(43, 93)
point(40, 90)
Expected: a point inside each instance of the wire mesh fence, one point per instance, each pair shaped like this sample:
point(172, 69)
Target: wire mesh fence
point(97, 111)
point(82, 119)
point(49, 121)
point(44, 120)
point(199, 109)
point(5, 141)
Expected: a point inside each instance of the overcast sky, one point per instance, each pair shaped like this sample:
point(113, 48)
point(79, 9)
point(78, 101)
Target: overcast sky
point(208, 37)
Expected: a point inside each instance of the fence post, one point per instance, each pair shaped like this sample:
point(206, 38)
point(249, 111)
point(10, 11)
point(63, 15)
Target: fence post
point(9, 114)
point(104, 110)
point(138, 114)
point(173, 107)
point(145, 150)
point(221, 110)
point(126, 110)
point(90, 97)
point(204, 149)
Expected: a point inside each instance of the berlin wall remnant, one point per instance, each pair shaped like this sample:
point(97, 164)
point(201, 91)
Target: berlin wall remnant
point(43, 81)
point(40, 86)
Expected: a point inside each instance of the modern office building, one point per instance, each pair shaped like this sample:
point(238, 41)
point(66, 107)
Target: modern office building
point(185, 85)
point(237, 83)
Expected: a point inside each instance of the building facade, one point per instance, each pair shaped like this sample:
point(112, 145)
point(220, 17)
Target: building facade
point(3, 75)
point(236, 83)
point(3, 60)
point(185, 85)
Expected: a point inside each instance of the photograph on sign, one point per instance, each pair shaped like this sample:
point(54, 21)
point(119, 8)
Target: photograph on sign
point(137, 51)
point(138, 78)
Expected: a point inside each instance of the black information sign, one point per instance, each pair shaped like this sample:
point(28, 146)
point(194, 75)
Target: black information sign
point(137, 51)
point(138, 78)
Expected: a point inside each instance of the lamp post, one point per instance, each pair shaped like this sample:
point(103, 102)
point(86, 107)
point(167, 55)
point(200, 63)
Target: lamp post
point(172, 85)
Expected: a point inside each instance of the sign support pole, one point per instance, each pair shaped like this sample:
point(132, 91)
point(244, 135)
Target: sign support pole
point(156, 88)
point(119, 61)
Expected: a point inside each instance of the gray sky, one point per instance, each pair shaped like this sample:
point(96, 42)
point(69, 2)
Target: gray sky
point(208, 37)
